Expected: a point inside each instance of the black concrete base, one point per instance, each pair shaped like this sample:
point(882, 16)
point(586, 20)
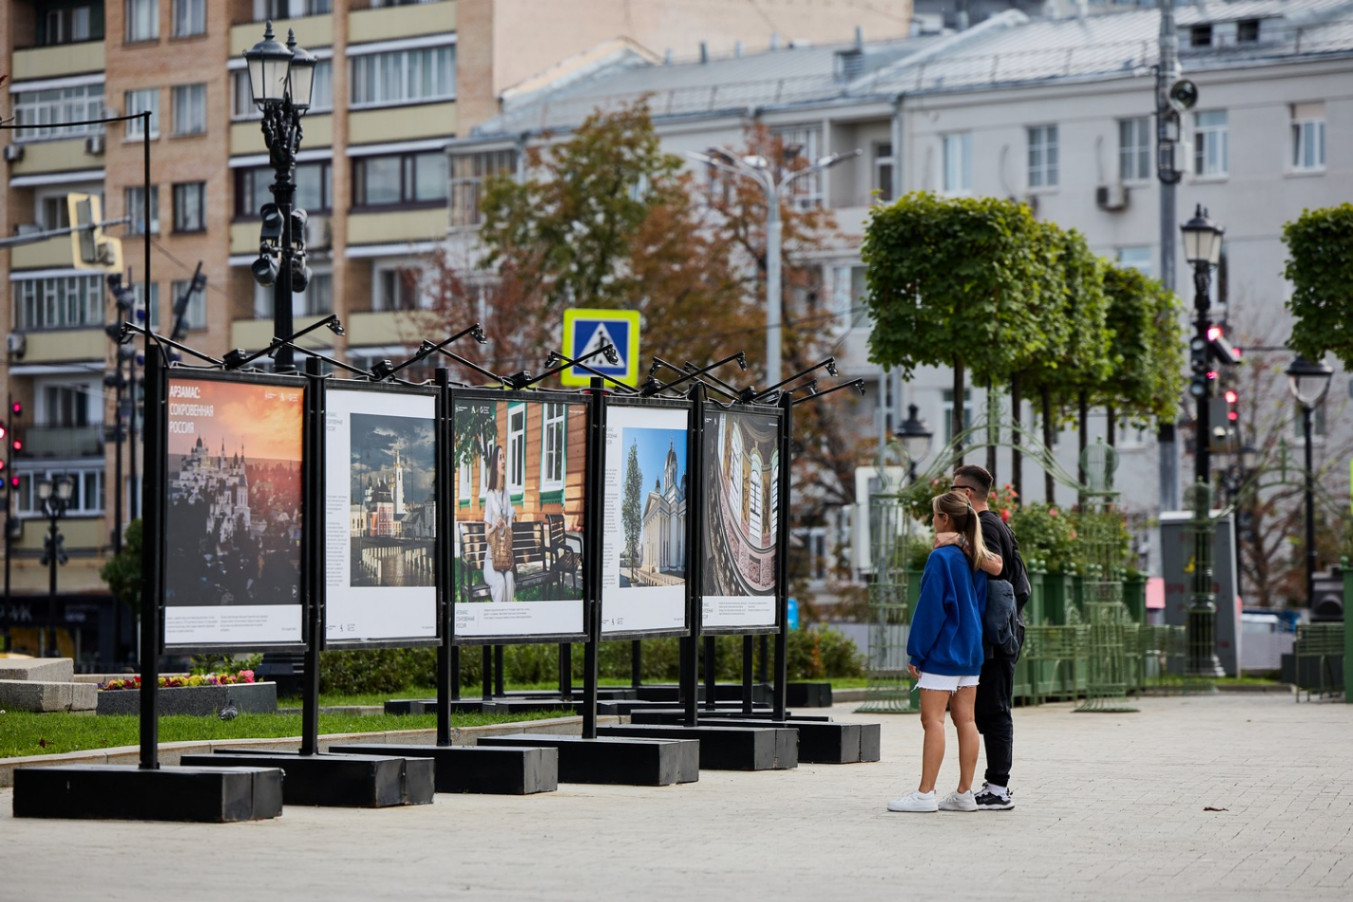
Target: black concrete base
point(611, 759)
point(808, 695)
point(207, 795)
point(503, 704)
point(821, 741)
point(477, 768)
point(723, 692)
point(723, 747)
point(350, 781)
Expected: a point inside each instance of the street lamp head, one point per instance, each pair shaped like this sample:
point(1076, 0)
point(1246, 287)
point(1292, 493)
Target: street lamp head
point(1202, 239)
point(65, 488)
point(300, 74)
point(914, 434)
point(44, 488)
point(1309, 381)
point(268, 63)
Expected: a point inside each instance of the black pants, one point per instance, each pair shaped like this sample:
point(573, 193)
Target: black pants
point(995, 694)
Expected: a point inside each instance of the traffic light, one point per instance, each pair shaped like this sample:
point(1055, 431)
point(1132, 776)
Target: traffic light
point(16, 408)
point(1221, 350)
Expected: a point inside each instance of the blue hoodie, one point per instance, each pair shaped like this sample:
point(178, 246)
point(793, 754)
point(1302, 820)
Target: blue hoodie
point(946, 627)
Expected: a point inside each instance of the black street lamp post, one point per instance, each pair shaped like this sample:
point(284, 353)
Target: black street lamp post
point(54, 496)
point(281, 80)
point(1202, 249)
point(1309, 381)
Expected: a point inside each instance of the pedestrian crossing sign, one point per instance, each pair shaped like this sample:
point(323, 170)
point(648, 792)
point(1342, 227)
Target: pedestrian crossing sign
point(588, 331)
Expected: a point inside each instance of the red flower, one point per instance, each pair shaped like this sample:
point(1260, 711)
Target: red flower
point(1005, 514)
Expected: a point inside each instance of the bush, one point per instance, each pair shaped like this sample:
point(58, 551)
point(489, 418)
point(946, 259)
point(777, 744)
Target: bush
point(1046, 534)
point(813, 654)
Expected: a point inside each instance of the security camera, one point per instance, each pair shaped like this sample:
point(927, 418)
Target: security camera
point(1183, 95)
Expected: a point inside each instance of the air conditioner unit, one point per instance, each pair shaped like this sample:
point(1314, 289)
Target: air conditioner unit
point(94, 145)
point(319, 233)
point(1111, 197)
point(13, 153)
point(16, 343)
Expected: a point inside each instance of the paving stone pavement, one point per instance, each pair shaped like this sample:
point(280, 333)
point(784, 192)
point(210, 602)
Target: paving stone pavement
point(1109, 806)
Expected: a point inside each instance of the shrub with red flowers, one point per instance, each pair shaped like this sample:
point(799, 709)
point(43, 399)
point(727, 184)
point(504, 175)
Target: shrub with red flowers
point(182, 680)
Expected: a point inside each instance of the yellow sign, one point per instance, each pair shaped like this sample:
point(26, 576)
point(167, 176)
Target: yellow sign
point(90, 248)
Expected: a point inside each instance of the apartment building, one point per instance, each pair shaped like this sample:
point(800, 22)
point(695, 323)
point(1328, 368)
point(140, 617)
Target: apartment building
point(1056, 112)
point(395, 80)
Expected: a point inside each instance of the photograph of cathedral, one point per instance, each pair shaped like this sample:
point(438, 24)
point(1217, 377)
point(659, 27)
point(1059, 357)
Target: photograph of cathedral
point(233, 523)
point(653, 508)
point(742, 464)
point(392, 511)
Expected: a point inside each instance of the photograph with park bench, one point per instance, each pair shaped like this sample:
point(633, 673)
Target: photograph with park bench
point(314, 515)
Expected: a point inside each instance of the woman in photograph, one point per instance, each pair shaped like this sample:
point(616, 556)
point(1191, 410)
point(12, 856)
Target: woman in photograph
point(498, 517)
point(945, 651)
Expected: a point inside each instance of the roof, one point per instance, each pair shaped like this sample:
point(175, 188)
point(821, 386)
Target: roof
point(1004, 50)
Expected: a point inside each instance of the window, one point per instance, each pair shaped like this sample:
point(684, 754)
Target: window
point(195, 314)
point(516, 451)
point(468, 174)
point(143, 20)
point(803, 143)
point(958, 163)
point(405, 179)
point(1134, 149)
point(1200, 36)
point(86, 498)
point(1247, 31)
point(322, 87)
point(553, 439)
point(64, 405)
point(1043, 156)
point(1308, 137)
point(136, 209)
point(883, 172)
point(1209, 143)
point(1138, 258)
point(58, 303)
point(403, 76)
point(948, 412)
point(190, 17)
point(314, 189)
point(65, 26)
point(316, 300)
point(142, 100)
point(43, 115)
point(848, 290)
point(752, 474)
point(291, 9)
point(397, 289)
point(146, 313)
point(190, 207)
point(190, 109)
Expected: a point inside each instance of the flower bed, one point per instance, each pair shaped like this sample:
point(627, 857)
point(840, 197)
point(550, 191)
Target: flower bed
point(196, 694)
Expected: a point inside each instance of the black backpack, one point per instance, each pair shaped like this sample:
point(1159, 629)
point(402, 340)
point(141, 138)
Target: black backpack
point(1002, 631)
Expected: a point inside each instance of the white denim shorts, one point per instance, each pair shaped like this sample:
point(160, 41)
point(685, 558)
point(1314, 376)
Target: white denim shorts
point(945, 683)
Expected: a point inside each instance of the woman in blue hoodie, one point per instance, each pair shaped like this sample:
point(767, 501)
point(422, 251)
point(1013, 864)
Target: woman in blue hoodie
point(945, 650)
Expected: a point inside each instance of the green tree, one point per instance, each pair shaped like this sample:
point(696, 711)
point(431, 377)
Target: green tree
point(1320, 268)
point(1145, 376)
point(955, 282)
point(629, 506)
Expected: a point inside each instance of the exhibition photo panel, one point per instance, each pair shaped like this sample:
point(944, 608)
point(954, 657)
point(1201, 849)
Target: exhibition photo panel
point(380, 511)
point(644, 556)
point(741, 496)
point(520, 461)
point(233, 511)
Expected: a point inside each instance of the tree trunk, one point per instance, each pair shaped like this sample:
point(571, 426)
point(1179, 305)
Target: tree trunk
point(959, 407)
point(1045, 396)
point(993, 428)
point(1016, 456)
point(1110, 427)
point(1083, 421)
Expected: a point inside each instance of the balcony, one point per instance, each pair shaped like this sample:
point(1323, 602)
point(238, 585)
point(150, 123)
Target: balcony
point(405, 122)
point(57, 61)
point(65, 345)
point(54, 253)
point(397, 226)
point(387, 23)
point(63, 441)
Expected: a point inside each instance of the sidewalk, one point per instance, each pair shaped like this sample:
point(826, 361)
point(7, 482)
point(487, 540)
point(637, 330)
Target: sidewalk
point(1110, 806)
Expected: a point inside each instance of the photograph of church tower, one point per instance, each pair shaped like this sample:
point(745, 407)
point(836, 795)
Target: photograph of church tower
point(392, 506)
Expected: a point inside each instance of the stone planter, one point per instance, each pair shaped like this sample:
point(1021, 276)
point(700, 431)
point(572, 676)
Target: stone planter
point(249, 698)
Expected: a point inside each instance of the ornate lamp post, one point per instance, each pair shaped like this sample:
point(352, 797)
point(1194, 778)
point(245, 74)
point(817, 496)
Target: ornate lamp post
point(1309, 381)
point(281, 80)
point(1202, 249)
point(54, 496)
point(915, 438)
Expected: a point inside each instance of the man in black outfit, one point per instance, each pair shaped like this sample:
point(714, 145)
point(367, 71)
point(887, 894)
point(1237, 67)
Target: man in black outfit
point(995, 691)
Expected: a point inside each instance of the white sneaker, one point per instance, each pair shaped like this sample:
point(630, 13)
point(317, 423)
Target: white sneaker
point(917, 801)
point(958, 801)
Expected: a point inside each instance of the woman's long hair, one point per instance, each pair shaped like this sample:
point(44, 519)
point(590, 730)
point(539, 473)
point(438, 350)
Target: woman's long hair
point(958, 509)
point(494, 456)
